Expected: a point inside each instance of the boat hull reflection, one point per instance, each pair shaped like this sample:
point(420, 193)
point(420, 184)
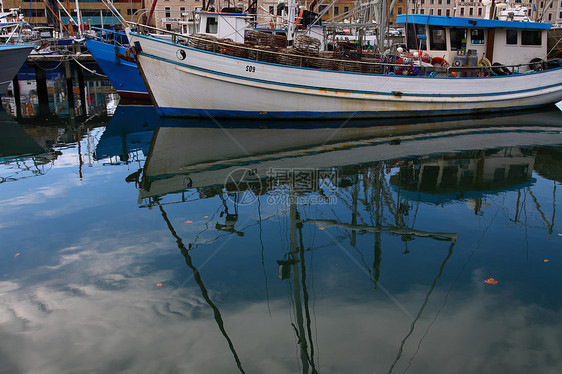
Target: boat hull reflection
point(190, 155)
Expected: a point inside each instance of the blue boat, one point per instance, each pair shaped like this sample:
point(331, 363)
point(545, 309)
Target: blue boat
point(110, 53)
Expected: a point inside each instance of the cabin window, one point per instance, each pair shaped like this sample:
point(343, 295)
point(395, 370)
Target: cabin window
point(437, 41)
point(531, 37)
point(477, 36)
point(458, 39)
point(510, 37)
point(212, 25)
point(416, 37)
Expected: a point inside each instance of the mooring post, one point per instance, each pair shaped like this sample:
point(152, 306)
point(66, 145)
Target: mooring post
point(82, 88)
point(69, 88)
point(17, 99)
point(42, 92)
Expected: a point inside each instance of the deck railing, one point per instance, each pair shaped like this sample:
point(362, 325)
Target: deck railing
point(367, 63)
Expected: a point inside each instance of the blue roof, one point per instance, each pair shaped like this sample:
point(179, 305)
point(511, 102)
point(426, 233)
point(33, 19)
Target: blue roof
point(425, 19)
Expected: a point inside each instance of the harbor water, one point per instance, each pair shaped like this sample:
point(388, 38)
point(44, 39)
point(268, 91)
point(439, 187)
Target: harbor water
point(132, 243)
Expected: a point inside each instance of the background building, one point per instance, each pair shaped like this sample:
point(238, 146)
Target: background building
point(92, 12)
point(168, 13)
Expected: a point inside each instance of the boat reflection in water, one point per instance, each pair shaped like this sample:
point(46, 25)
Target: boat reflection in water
point(449, 154)
point(361, 185)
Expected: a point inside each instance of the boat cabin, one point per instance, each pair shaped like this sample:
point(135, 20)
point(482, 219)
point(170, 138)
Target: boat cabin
point(234, 26)
point(222, 25)
point(455, 38)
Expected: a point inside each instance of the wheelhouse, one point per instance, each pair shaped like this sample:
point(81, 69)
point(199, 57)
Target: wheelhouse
point(505, 42)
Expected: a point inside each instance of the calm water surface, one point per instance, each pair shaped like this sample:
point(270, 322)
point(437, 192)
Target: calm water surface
point(132, 244)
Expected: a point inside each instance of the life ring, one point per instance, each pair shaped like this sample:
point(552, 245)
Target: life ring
point(439, 61)
point(499, 69)
point(484, 62)
point(537, 64)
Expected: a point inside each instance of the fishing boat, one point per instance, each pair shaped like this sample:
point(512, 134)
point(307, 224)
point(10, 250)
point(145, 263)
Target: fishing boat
point(110, 53)
point(196, 76)
point(12, 57)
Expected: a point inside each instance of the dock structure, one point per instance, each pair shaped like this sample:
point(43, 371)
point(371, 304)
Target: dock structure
point(34, 59)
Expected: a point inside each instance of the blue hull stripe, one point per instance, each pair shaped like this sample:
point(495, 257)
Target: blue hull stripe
point(331, 89)
point(349, 91)
point(181, 112)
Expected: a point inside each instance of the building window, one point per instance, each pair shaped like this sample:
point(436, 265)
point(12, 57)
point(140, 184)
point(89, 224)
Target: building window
point(336, 11)
point(168, 27)
point(438, 12)
point(510, 36)
point(345, 9)
point(531, 37)
point(448, 12)
point(168, 12)
point(399, 10)
point(470, 11)
point(462, 11)
point(431, 12)
point(479, 11)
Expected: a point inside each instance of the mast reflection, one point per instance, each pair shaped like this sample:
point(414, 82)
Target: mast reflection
point(378, 175)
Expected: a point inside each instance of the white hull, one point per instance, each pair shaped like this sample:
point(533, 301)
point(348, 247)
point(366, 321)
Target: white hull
point(12, 58)
point(206, 83)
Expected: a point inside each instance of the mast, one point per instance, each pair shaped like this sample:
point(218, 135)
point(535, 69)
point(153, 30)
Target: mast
point(69, 18)
point(291, 22)
point(79, 18)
